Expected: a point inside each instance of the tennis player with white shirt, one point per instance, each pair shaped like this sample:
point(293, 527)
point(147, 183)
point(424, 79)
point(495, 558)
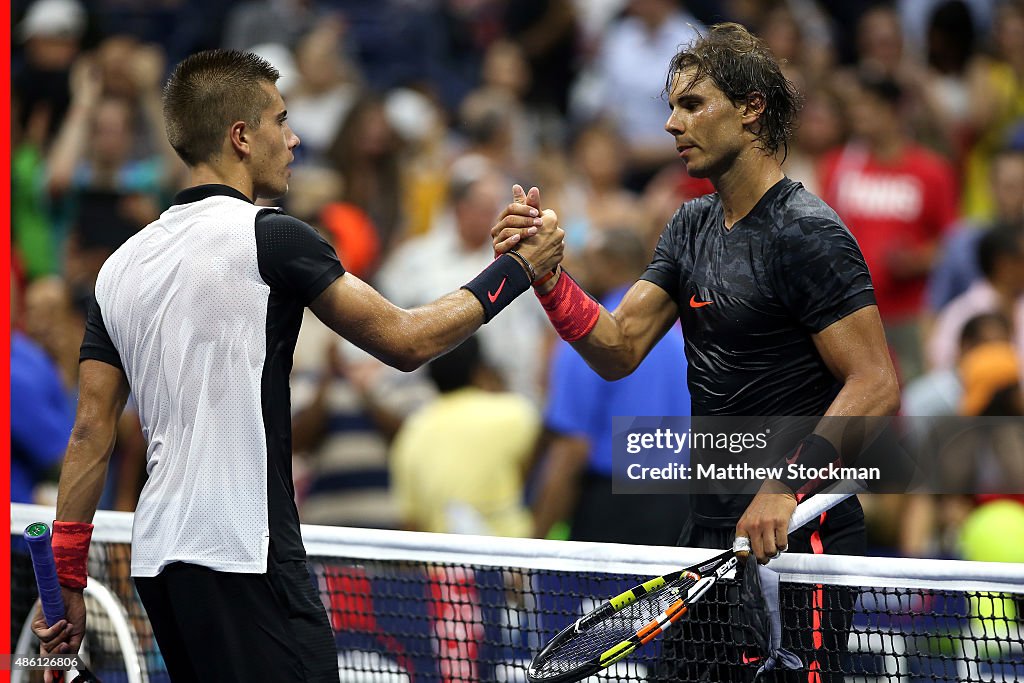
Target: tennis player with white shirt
point(197, 315)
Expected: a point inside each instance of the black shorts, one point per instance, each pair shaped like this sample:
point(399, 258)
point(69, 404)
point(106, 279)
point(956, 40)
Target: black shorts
point(220, 626)
point(708, 645)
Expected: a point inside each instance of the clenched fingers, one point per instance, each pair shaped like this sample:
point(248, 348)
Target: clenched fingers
point(518, 209)
point(49, 634)
point(507, 241)
point(511, 229)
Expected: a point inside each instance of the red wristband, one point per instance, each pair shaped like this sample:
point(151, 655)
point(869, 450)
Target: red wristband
point(71, 552)
point(545, 278)
point(571, 310)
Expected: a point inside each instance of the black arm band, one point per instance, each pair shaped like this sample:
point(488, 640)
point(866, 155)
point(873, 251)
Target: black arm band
point(811, 466)
point(498, 284)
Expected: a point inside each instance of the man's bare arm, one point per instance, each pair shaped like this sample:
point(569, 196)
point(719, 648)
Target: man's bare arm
point(855, 351)
point(103, 391)
point(405, 339)
point(622, 338)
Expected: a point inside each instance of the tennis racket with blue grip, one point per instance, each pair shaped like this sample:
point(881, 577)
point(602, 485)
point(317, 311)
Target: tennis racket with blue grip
point(37, 536)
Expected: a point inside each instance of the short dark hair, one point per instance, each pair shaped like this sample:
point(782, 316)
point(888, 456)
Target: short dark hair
point(1000, 240)
point(1008, 152)
point(209, 91)
point(454, 370)
point(740, 65)
point(972, 329)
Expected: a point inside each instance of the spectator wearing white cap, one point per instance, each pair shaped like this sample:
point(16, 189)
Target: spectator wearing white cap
point(51, 32)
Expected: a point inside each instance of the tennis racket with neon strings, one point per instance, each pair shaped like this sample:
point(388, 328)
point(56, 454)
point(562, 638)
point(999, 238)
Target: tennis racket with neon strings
point(620, 626)
point(37, 536)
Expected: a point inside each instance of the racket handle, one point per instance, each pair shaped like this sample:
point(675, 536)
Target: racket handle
point(37, 536)
point(823, 501)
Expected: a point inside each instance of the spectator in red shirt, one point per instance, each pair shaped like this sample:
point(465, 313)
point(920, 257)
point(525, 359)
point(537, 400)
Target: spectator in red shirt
point(897, 198)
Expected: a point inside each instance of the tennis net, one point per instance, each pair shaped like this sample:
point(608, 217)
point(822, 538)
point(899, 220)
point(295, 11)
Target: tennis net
point(441, 608)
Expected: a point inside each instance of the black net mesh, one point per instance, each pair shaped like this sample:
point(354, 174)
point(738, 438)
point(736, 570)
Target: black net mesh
point(409, 621)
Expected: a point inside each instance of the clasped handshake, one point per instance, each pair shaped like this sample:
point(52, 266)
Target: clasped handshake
point(531, 237)
point(532, 234)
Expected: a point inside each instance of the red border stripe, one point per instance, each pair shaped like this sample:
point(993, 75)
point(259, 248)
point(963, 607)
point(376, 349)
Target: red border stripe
point(5, 345)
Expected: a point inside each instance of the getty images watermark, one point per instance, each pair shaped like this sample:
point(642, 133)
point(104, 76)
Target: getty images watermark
point(753, 447)
point(735, 455)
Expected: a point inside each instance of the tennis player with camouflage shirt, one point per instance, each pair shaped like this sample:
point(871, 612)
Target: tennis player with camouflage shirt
point(777, 309)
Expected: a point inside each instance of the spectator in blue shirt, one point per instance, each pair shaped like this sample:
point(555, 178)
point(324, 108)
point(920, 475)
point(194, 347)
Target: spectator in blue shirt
point(41, 417)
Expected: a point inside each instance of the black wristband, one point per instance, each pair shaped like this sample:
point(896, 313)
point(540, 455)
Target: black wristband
point(498, 284)
point(810, 458)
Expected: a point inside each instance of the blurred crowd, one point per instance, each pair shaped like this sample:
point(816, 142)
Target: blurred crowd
point(416, 117)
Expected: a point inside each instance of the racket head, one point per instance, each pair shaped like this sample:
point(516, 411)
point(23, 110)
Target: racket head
point(628, 621)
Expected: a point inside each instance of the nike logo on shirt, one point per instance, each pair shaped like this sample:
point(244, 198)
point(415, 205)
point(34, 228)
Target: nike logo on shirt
point(698, 304)
point(494, 297)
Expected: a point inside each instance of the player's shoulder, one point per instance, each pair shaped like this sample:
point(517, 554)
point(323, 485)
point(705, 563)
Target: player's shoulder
point(269, 219)
point(799, 211)
point(117, 263)
point(695, 212)
point(806, 224)
point(278, 233)
point(704, 204)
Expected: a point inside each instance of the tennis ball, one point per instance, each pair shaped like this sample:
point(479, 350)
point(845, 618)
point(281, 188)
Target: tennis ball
point(988, 535)
point(992, 531)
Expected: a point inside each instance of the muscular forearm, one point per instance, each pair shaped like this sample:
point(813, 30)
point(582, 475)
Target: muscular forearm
point(855, 350)
point(608, 349)
point(102, 393)
point(84, 473)
point(613, 343)
point(407, 338)
point(861, 396)
point(853, 422)
point(402, 338)
point(874, 395)
point(420, 334)
point(622, 339)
